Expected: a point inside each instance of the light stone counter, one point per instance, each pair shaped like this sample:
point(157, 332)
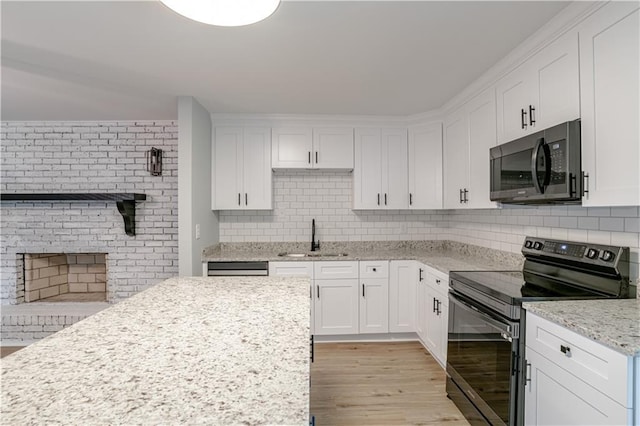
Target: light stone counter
point(614, 323)
point(186, 351)
point(444, 256)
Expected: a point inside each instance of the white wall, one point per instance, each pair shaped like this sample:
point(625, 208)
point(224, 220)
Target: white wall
point(194, 185)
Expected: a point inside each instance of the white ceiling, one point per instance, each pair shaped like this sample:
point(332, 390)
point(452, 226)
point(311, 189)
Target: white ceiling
point(88, 60)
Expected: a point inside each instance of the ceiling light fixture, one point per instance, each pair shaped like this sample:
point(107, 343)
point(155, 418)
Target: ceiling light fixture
point(224, 13)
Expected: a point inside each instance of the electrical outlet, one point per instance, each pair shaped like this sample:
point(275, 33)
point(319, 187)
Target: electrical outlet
point(197, 231)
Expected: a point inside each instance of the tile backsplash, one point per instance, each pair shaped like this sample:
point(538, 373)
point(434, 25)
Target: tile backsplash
point(302, 195)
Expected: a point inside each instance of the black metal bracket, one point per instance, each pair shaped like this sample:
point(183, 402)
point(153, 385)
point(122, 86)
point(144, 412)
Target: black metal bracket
point(128, 211)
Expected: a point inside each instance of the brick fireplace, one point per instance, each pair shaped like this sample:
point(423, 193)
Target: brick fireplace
point(82, 157)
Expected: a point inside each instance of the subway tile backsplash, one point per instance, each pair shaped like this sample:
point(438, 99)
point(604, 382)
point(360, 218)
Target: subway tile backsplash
point(302, 195)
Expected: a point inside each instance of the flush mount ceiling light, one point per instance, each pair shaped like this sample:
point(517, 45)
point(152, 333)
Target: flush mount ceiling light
point(225, 13)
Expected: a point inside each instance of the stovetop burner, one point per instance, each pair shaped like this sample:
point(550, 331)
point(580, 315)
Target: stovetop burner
point(553, 270)
point(512, 287)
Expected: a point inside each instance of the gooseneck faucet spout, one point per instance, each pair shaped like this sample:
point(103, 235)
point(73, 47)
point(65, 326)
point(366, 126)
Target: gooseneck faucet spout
point(314, 246)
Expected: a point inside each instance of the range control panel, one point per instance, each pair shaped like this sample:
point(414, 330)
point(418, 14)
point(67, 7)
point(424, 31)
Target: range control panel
point(587, 252)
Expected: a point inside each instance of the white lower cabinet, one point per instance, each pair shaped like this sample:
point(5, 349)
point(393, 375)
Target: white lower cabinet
point(336, 298)
point(402, 296)
point(432, 311)
point(572, 380)
point(374, 306)
point(296, 269)
point(374, 297)
point(436, 307)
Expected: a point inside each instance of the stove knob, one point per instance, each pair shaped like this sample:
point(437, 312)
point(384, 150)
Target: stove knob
point(528, 244)
point(607, 256)
point(537, 245)
point(592, 253)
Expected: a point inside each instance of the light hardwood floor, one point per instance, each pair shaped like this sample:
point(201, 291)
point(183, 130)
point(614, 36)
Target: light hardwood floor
point(379, 384)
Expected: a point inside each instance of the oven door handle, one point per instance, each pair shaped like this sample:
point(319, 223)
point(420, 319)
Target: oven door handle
point(507, 331)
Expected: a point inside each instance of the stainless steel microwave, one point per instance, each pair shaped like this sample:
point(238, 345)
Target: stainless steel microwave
point(541, 168)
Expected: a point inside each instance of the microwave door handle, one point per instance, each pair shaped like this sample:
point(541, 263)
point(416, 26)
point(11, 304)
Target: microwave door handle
point(534, 165)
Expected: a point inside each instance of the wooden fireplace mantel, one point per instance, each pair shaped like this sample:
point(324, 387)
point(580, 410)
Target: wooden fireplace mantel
point(125, 201)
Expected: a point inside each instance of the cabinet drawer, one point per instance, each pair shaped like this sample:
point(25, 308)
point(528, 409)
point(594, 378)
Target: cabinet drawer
point(374, 269)
point(595, 364)
point(335, 270)
point(291, 269)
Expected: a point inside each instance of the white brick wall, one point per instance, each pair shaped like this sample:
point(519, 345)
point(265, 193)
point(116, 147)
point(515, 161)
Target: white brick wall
point(90, 157)
point(300, 196)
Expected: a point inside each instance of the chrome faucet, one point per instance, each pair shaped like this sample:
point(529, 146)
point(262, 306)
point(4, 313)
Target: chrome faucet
point(314, 246)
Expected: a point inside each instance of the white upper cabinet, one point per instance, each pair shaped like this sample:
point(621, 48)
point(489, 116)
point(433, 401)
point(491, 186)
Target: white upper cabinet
point(425, 167)
point(312, 148)
point(542, 92)
point(292, 147)
point(455, 149)
point(333, 148)
point(380, 170)
point(241, 171)
point(610, 105)
point(469, 133)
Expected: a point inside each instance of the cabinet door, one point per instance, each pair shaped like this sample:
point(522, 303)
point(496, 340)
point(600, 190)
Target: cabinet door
point(444, 330)
point(402, 296)
point(514, 95)
point(610, 105)
point(367, 172)
point(395, 178)
point(421, 303)
point(425, 167)
point(556, 397)
point(432, 332)
point(456, 158)
point(292, 148)
point(555, 82)
point(257, 169)
point(336, 307)
point(374, 305)
point(482, 136)
point(332, 148)
point(227, 170)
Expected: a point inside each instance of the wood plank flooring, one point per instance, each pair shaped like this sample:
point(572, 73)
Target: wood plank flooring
point(8, 350)
point(379, 384)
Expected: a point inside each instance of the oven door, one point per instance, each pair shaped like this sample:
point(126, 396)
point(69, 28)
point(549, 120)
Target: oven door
point(482, 360)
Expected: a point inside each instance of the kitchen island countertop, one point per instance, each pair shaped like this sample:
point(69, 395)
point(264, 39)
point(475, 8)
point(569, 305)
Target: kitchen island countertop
point(186, 351)
point(612, 322)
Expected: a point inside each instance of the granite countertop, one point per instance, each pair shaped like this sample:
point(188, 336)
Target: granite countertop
point(614, 323)
point(186, 351)
point(444, 256)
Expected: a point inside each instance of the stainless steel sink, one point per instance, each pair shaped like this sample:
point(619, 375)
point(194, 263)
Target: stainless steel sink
point(312, 254)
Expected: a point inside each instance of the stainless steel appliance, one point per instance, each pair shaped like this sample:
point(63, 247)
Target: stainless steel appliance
point(241, 268)
point(541, 168)
point(485, 347)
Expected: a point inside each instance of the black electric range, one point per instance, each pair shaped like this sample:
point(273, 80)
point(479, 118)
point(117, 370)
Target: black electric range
point(485, 339)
